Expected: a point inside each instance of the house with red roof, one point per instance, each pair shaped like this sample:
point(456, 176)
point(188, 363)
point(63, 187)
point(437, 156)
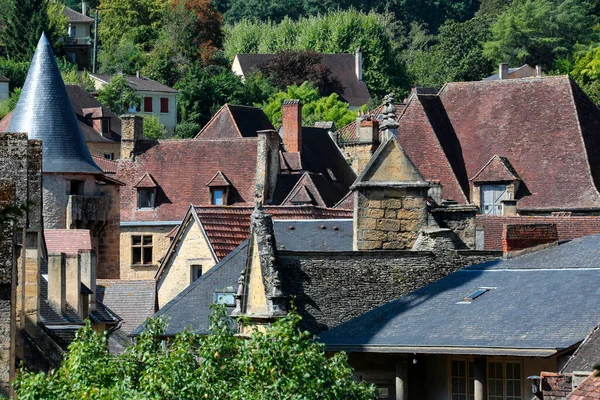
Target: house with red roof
point(235, 160)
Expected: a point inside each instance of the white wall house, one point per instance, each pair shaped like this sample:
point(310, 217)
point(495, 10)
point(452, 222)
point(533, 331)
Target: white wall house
point(157, 99)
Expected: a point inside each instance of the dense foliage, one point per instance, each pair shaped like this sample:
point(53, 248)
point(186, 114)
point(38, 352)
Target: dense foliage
point(281, 362)
point(118, 96)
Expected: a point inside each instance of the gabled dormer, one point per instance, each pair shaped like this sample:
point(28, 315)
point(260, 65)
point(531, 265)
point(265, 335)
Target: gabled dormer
point(146, 192)
point(219, 187)
point(495, 187)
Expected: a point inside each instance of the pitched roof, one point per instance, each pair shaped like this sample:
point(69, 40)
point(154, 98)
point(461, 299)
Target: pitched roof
point(75, 16)
point(181, 169)
point(107, 166)
point(496, 170)
point(587, 354)
point(83, 103)
point(227, 227)
point(342, 67)
point(191, 308)
point(312, 189)
point(146, 181)
point(588, 389)
point(45, 112)
point(219, 180)
point(132, 300)
point(4, 79)
point(540, 286)
point(141, 84)
point(68, 241)
point(452, 136)
point(233, 121)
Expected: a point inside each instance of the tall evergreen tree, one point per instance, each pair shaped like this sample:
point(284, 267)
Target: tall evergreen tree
point(22, 26)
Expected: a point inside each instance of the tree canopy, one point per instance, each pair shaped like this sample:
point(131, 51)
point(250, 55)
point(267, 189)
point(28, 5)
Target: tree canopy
point(118, 96)
point(279, 362)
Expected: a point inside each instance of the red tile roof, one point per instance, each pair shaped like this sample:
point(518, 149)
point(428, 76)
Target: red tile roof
point(497, 169)
point(68, 241)
point(107, 166)
point(546, 127)
point(232, 121)
point(181, 168)
point(147, 181)
point(588, 389)
point(348, 133)
point(227, 227)
point(219, 180)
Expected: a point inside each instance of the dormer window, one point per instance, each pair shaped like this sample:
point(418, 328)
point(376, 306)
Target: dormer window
point(105, 126)
point(146, 198)
point(219, 189)
point(495, 187)
point(491, 199)
point(146, 192)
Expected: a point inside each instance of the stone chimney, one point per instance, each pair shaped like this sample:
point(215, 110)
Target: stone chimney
point(267, 165)
point(368, 129)
point(131, 131)
point(88, 266)
point(503, 71)
point(291, 116)
point(84, 7)
point(57, 278)
point(520, 238)
point(358, 64)
point(73, 283)
point(538, 71)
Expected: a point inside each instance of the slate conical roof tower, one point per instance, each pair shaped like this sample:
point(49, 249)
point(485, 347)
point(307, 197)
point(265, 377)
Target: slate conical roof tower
point(44, 111)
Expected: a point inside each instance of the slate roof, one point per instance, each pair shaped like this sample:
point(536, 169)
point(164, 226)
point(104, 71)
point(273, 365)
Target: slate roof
point(75, 16)
point(83, 101)
point(141, 84)
point(232, 121)
point(546, 127)
point(132, 300)
point(44, 111)
point(227, 227)
point(587, 354)
point(510, 319)
point(342, 67)
point(191, 308)
point(68, 241)
point(181, 168)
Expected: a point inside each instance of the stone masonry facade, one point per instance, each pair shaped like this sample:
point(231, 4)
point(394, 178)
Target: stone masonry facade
point(390, 218)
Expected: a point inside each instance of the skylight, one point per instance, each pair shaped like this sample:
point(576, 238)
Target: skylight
point(477, 293)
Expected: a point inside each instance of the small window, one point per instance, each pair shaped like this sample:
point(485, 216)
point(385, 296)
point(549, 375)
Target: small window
point(141, 249)
point(131, 108)
point(109, 156)
point(164, 105)
point(76, 188)
point(145, 198)
point(105, 126)
point(196, 272)
point(331, 174)
point(148, 104)
point(504, 380)
point(225, 298)
point(73, 31)
point(217, 197)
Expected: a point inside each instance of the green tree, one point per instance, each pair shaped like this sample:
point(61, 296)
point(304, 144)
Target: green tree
point(539, 31)
point(14, 70)
point(23, 22)
point(187, 130)
point(153, 129)
point(7, 105)
point(118, 96)
point(125, 57)
point(279, 362)
point(314, 107)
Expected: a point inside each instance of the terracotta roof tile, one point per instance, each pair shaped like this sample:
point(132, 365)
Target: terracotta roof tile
point(107, 166)
point(219, 180)
point(227, 227)
point(233, 121)
point(147, 181)
point(496, 170)
point(68, 241)
point(347, 134)
point(588, 389)
point(181, 168)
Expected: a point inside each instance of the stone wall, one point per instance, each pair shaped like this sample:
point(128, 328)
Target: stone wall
point(388, 218)
point(331, 288)
point(109, 237)
point(98, 149)
point(358, 154)
point(160, 243)
point(461, 219)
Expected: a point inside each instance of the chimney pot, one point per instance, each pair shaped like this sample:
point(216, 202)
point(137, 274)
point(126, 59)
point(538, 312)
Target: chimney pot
point(503, 71)
point(358, 64)
point(291, 115)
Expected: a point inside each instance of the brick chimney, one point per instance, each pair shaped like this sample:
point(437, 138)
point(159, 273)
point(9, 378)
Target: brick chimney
point(358, 64)
point(56, 282)
point(131, 131)
point(518, 238)
point(291, 116)
point(503, 71)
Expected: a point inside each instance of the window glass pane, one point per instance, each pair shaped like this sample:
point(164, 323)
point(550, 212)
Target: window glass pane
point(136, 255)
point(147, 240)
point(225, 298)
point(136, 240)
point(105, 125)
point(217, 198)
point(147, 255)
point(145, 198)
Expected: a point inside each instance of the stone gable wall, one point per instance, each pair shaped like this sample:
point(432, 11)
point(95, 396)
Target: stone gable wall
point(331, 288)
